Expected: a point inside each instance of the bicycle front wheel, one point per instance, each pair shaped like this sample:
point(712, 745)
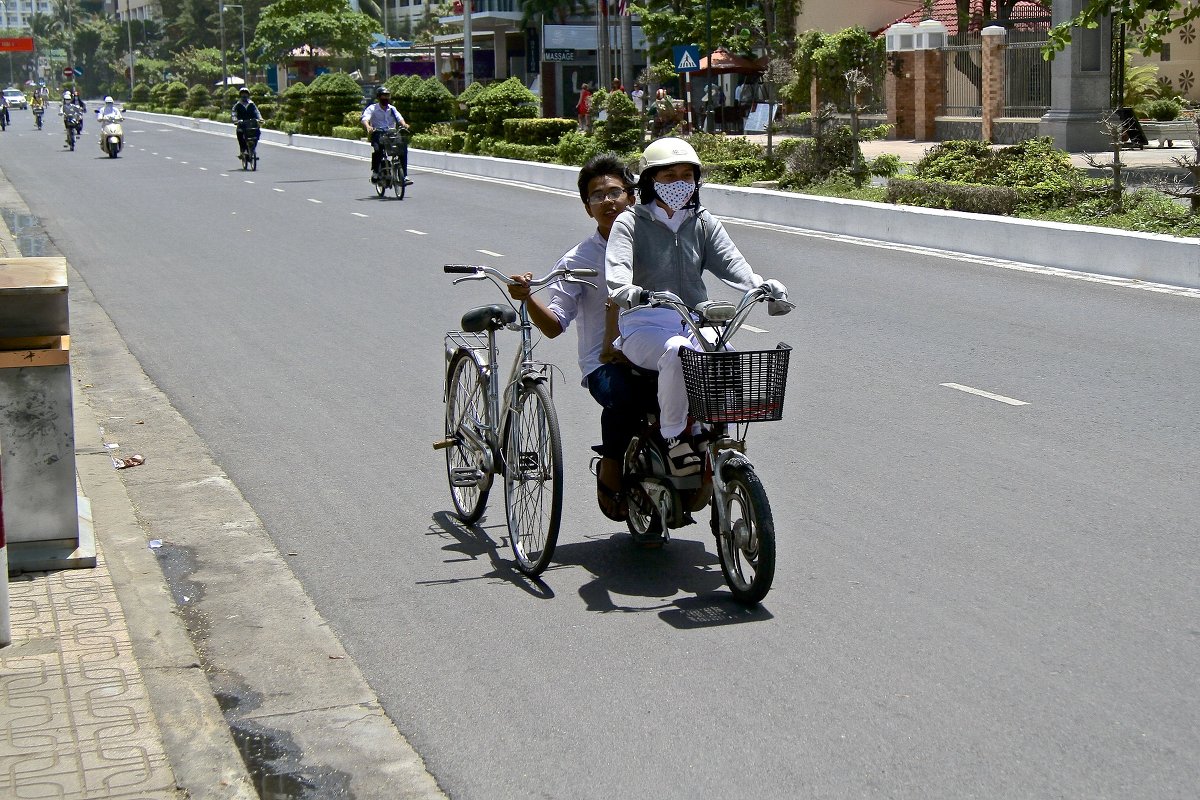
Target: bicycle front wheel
point(466, 401)
point(747, 549)
point(533, 478)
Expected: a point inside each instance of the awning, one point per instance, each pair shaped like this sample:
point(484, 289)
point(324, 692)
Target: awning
point(725, 62)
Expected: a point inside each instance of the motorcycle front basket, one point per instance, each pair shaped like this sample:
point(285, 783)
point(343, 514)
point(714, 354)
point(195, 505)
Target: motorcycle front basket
point(736, 386)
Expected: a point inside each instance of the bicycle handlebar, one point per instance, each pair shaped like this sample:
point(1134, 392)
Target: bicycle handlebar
point(480, 271)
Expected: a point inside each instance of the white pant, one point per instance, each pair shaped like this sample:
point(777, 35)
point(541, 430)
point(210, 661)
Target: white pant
point(651, 339)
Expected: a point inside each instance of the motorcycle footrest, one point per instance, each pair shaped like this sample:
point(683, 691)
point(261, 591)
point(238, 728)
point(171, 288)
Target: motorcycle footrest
point(465, 477)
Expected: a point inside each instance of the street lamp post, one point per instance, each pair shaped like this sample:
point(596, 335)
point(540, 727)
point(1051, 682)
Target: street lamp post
point(245, 59)
point(224, 66)
point(708, 92)
point(129, 34)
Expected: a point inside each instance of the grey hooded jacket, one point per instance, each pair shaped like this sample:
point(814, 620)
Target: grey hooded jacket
point(645, 253)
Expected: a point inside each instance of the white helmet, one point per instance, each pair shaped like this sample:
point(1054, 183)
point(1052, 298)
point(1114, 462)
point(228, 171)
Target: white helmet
point(108, 98)
point(67, 95)
point(667, 151)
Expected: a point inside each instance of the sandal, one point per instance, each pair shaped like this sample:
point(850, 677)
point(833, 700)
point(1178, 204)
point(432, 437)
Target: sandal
point(611, 501)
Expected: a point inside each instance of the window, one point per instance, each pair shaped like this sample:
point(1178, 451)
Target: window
point(1166, 52)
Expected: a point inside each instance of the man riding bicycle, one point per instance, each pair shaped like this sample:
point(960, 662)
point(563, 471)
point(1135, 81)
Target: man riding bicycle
point(379, 117)
point(244, 112)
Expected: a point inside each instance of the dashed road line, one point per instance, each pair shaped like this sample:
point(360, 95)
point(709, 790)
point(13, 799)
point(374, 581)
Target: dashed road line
point(355, 213)
point(246, 181)
point(314, 200)
point(203, 169)
point(276, 189)
point(490, 253)
point(997, 397)
point(414, 232)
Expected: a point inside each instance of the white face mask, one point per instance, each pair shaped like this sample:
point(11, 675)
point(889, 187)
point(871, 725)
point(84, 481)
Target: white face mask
point(676, 195)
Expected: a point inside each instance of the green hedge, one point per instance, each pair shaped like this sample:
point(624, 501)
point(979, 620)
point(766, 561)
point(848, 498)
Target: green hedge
point(349, 132)
point(537, 131)
point(1002, 200)
point(328, 99)
point(498, 102)
point(544, 154)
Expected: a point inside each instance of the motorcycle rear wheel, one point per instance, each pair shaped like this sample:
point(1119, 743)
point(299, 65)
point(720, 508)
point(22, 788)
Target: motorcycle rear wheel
point(644, 522)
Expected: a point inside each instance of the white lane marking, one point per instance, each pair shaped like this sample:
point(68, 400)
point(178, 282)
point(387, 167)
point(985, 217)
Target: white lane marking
point(245, 181)
point(277, 190)
point(168, 158)
point(154, 154)
point(183, 162)
point(312, 200)
point(753, 329)
point(224, 174)
point(997, 397)
point(490, 253)
point(355, 213)
point(417, 233)
point(204, 169)
point(950, 255)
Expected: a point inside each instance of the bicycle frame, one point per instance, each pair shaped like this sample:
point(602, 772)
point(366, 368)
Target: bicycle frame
point(499, 406)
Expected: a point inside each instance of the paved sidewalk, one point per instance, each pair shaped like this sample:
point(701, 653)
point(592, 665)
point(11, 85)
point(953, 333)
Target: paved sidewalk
point(98, 656)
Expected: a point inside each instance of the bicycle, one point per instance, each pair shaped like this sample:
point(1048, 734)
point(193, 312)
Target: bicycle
point(73, 120)
point(249, 154)
point(727, 389)
point(510, 430)
point(392, 175)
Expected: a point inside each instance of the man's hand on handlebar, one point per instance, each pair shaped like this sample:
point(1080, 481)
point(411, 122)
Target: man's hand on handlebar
point(519, 288)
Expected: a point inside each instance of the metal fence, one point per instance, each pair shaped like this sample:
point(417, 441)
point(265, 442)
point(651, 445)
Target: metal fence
point(1026, 76)
point(1026, 80)
point(964, 78)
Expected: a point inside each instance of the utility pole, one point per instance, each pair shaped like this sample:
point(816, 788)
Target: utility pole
point(224, 66)
point(129, 34)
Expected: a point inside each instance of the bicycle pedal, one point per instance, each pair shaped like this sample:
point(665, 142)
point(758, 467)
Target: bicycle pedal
point(465, 477)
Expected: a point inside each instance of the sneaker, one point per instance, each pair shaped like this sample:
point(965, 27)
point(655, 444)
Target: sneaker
point(407, 181)
point(374, 177)
point(682, 458)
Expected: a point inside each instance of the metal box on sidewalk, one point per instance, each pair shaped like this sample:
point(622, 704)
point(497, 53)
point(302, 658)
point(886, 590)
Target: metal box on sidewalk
point(41, 507)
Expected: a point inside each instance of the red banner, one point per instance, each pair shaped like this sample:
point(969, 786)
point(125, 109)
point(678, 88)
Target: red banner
point(16, 44)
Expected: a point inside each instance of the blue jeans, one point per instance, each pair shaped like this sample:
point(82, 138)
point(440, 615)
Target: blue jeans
point(625, 397)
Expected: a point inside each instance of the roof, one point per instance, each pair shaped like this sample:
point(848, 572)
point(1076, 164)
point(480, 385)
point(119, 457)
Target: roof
point(1026, 14)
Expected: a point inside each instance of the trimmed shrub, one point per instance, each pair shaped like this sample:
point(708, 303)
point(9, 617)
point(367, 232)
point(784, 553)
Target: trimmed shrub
point(576, 148)
point(815, 160)
point(353, 132)
point(430, 141)
point(1042, 174)
point(329, 97)
point(524, 152)
point(508, 99)
point(1162, 110)
point(429, 102)
point(971, 198)
point(537, 131)
point(622, 130)
point(141, 93)
point(175, 95)
point(294, 99)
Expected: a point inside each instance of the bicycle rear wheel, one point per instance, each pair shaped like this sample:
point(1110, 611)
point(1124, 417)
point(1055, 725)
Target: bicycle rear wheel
point(747, 549)
point(533, 478)
point(398, 186)
point(381, 183)
point(466, 399)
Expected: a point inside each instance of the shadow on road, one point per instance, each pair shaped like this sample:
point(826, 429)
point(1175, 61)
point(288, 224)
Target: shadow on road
point(474, 543)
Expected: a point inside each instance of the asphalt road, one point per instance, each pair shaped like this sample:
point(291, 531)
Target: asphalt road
point(974, 598)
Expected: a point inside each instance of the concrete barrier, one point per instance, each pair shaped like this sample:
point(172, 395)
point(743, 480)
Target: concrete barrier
point(1124, 254)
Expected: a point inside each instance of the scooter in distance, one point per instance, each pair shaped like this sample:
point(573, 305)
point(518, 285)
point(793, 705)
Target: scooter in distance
point(112, 135)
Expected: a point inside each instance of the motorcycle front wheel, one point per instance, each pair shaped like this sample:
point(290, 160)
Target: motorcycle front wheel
point(747, 548)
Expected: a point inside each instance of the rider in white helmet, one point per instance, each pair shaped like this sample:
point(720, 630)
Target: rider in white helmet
point(665, 244)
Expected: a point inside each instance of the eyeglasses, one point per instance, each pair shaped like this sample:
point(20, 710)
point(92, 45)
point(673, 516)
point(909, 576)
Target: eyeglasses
point(600, 195)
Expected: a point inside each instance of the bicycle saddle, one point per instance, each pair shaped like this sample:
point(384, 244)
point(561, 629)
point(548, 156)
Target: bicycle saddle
point(488, 318)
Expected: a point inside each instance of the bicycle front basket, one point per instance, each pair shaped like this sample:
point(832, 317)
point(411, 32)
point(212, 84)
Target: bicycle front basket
point(737, 385)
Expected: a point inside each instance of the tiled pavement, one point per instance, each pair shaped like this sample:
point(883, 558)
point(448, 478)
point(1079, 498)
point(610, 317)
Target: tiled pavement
point(75, 719)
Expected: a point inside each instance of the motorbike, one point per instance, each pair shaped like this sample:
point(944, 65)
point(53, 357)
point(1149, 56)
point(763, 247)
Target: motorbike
point(4, 118)
point(726, 390)
point(38, 113)
point(249, 155)
point(73, 122)
point(112, 135)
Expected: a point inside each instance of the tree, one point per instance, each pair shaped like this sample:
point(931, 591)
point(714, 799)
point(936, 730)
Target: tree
point(1153, 18)
point(668, 22)
point(328, 24)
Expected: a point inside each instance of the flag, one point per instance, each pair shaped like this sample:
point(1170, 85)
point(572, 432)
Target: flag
point(622, 8)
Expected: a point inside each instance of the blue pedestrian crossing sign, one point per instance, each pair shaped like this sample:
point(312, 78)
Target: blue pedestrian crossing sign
point(686, 57)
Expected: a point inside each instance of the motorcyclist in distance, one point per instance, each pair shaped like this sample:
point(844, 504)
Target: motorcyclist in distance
point(72, 103)
point(244, 110)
